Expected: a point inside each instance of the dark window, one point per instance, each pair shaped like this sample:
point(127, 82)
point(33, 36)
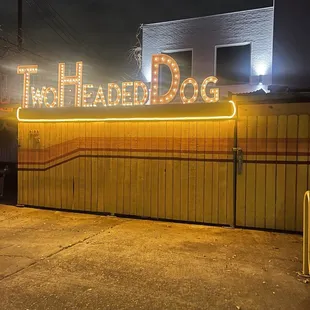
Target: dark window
point(233, 64)
point(184, 60)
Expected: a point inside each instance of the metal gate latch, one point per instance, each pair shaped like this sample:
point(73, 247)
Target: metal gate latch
point(239, 156)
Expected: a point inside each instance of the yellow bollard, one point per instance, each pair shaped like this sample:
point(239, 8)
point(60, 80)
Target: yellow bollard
point(306, 220)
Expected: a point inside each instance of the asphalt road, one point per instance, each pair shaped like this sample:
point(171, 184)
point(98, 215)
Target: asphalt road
point(55, 260)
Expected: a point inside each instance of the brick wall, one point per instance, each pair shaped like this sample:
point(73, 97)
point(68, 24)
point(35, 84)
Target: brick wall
point(203, 34)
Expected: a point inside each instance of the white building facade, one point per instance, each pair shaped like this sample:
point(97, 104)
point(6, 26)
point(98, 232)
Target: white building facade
point(236, 47)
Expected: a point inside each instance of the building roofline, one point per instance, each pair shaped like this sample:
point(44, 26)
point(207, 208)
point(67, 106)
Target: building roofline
point(208, 16)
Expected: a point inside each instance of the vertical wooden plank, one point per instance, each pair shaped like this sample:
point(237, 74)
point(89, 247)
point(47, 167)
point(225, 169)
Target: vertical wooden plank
point(222, 172)
point(176, 168)
point(208, 172)
point(215, 168)
point(251, 171)
point(200, 171)
point(291, 170)
point(162, 146)
point(57, 163)
point(120, 168)
point(184, 170)
point(140, 168)
point(64, 165)
point(230, 172)
point(169, 170)
point(133, 168)
point(41, 158)
point(281, 168)
point(23, 156)
point(101, 170)
point(53, 154)
point(114, 145)
point(76, 165)
point(272, 133)
point(154, 170)
point(72, 153)
point(148, 171)
point(308, 185)
point(69, 168)
point(108, 169)
point(28, 164)
point(242, 124)
point(127, 160)
point(40, 152)
point(192, 170)
point(54, 177)
point(82, 171)
point(47, 138)
point(60, 179)
point(127, 163)
point(28, 173)
point(31, 158)
point(35, 159)
point(302, 168)
point(88, 166)
point(94, 168)
point(260, 187)
point(20, 165)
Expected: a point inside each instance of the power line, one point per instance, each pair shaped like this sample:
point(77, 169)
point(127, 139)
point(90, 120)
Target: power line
point(6, 50)
point(69, 30)
point(37, 43)
point(63, 20)
point(41, 12)
point(26, 37)
point(49, 14)
point(23, 49)
point(19, 48)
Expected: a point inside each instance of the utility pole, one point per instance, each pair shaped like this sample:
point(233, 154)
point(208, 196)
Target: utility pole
point(20, 25)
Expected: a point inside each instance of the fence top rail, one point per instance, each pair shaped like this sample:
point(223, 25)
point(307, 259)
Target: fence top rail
point(267, 109)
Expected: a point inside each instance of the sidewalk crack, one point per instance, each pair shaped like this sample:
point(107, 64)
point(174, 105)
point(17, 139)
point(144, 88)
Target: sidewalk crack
point(62, 249)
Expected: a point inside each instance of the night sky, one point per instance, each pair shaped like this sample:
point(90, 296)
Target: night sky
point(103, 31)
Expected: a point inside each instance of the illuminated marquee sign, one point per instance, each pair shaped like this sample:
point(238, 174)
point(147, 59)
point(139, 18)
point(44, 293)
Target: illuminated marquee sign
point(133, 94)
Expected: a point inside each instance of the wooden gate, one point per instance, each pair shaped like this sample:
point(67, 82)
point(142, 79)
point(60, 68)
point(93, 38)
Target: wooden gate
point(274, 139)
point(163, 170)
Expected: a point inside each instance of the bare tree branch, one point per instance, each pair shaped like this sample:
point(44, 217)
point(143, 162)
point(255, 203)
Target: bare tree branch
point(135, 52)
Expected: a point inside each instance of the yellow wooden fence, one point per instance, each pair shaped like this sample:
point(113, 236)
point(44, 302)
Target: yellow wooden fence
point(169, 170)
point(173, 170)
point(276, 174)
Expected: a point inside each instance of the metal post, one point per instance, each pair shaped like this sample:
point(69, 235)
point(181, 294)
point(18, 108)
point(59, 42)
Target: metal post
point(306, 247)
point(2, 176)
point(20, 25)
point(1, 185)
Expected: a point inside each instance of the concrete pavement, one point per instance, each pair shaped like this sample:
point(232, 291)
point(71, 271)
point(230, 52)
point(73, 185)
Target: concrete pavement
point(56, 260)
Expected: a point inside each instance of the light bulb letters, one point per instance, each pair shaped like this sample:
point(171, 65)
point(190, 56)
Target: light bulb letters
point(128, 94)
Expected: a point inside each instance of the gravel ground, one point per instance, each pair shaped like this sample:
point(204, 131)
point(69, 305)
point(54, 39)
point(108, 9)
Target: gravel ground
point(56, 260)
